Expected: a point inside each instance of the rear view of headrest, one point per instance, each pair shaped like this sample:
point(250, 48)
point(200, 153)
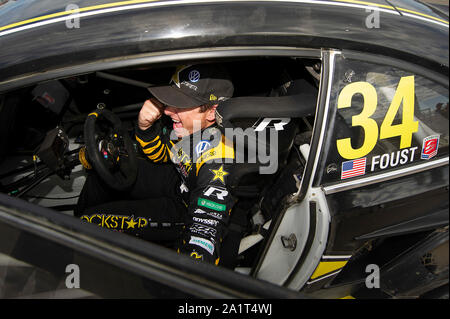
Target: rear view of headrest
point(293, 106)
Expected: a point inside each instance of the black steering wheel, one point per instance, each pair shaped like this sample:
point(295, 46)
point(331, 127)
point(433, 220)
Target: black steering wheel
point(110, 149)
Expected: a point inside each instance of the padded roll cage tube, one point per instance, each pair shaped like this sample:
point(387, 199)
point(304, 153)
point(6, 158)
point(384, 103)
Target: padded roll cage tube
point(296, 106)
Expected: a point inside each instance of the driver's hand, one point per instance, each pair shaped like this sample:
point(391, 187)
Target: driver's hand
point(150, 112)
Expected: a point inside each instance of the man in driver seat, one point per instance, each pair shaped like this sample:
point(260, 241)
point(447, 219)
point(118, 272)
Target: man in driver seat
point(191, 206)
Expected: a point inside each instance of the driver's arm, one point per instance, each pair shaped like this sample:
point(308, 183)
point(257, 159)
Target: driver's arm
point(154, 141)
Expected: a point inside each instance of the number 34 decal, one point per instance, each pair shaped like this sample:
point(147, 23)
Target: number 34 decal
point(407, 127)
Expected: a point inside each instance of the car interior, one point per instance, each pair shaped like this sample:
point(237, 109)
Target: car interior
point(43, 130)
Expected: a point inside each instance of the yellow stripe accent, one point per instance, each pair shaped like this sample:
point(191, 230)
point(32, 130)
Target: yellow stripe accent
point(348, 297)
point(150, 150)
point(326, 267)
point(366, 3)
point(82, 158)
point(223, 150)
point(144, 144)
point(155, 156)
point(93, 113)
point(123, 3)
point(69, 12)
point(162, 158)
point(423, 15)
point(169, 149)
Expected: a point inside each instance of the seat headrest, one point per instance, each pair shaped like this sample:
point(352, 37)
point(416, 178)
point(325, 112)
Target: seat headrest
point(250, 112)
point(293, 106)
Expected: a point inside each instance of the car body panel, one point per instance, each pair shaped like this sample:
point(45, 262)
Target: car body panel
point(385, 204)
point(110, 259)
point(378, 205)
point(140, 30)
point(38, 45)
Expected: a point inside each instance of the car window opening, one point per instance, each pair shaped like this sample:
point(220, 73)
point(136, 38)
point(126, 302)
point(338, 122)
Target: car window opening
point(44, 159)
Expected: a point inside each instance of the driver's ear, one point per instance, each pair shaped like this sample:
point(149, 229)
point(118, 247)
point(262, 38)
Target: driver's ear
point(211, 113)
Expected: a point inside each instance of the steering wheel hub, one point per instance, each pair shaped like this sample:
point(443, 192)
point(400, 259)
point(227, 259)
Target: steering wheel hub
point(109, 149)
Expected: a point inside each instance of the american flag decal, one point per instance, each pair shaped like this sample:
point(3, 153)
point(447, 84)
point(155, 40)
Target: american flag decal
point(353, 168)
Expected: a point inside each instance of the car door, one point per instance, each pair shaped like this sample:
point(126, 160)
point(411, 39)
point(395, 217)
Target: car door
point(383, 167)
point(377, 167)
point(45, 254)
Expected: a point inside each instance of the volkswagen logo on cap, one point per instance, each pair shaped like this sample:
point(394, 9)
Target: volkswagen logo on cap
point(194, 76)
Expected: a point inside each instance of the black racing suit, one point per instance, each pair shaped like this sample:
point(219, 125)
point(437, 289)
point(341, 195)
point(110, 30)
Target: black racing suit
point(204, 162)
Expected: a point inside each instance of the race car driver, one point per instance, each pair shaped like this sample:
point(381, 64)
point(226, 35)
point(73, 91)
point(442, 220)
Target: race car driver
point(198, 199)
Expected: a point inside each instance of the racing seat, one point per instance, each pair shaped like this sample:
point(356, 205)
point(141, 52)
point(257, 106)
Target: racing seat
point(263, 131)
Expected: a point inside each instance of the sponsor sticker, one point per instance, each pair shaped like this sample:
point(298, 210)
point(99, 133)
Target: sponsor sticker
point(201, 147)
point(215, 215)
point(216, 191)
point(209, 222)
point(199, 211)
point(430, 147)
point(276, 123)
point(203, 230)
point(212, 214)
point(219, 174)
point(210, 204)
point(189, 85)
point(203, 243)
point(118, 222)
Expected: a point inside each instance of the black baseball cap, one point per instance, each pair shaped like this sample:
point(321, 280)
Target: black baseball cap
point(195, 85)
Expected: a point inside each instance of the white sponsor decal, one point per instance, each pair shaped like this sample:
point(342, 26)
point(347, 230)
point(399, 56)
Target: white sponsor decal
point(203, 230)
point(276, 123)
point(216, 191)
point(199, 211)
point(210, 222)
point(189, 85)
point(215, 215)
point(203, 243)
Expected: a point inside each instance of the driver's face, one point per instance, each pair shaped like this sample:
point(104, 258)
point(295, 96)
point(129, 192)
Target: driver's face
point(188, 121)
